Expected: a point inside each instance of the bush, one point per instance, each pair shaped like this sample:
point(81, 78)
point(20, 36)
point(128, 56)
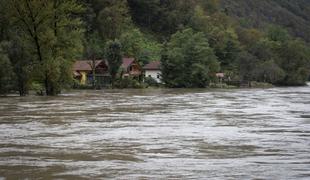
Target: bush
point(189, 51)
point(255, 84)
point(38, 88)
point(221, 86)
point(151, 82)
point(269, 72)
point(6, 74)
point(128, 83)
point(78, 85)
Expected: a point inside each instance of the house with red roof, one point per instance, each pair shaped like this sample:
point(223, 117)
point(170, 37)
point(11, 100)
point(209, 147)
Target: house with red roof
point(152, 70)
point(83, 71)
point(131, 68)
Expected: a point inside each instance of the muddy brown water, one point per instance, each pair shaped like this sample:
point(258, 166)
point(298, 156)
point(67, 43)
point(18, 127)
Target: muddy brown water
point(157, 134)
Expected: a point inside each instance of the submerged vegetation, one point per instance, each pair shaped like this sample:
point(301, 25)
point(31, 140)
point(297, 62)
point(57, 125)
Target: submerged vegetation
point(194, 39)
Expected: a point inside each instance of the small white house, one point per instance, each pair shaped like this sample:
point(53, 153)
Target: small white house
point(153, 70)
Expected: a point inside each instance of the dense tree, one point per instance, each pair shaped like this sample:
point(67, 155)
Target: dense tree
point(136, 44)
point(210, 6)
point(268, 71)
point(226, 47)
point(4, 28)
point(247, 40)
point(295, 61)
point(22, 65)
point(94, 50)
point(132, 43)
point(53, 34)
point(247, 63)
point(200, 21)
point(6, 72)
point(248, 37)
point(278, 34)
point(162, 17)
point(263, 49)
point(188, 61)
point(114, 58)
point(291, 15)
point(222, 36)
point(113, 19)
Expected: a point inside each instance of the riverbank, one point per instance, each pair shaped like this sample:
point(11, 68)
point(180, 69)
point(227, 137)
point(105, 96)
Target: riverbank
point(212, 87)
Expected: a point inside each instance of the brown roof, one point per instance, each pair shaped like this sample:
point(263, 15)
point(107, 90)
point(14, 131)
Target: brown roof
point(84, 65)
point(155, 65)
point(127, 62)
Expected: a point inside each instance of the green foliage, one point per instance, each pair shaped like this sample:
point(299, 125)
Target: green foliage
point(293, 15)
point(6, 73)
point(52, 34)
point(226, 47)
point(128, 83)
point(188, 60)
point(42, 38)
point(210, 6)
point(222, 36)
point(263, 49)
point(94, 46)
point(269, 72)
point(278, 34)
point(151, 82)
point(200, 21)
point(22, 65)
point(248, 37)
point(295, 61)
point(136, 44)
point(37, 88)
point(162, 17)
point(114, 58)
point(113, 19)
point(246, 65)
point(255, 84)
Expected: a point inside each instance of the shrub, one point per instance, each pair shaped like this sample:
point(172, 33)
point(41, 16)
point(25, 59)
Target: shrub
point(128, 83)
point(38, 88)
point(151, 82)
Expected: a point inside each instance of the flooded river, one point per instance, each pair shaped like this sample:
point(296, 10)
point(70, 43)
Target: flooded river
point(157, 134)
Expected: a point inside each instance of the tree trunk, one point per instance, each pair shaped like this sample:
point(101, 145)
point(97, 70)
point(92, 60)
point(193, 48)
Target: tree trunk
point(46, 84)
point(112, 80)
point(94, 72)
point(21, 88)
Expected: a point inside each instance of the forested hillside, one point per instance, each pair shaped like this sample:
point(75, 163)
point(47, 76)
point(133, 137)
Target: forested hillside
point(257, 40)
point(294, 15)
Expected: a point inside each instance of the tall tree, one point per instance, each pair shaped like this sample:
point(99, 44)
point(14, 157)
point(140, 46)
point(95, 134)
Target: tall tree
point(6, 72)
point(162, 17)
point(22, 65)
point(114, 58)
point(94, 50)
point(295, 61)
point(136, 44)
point(113, 19)
point(189, 61)
point(54, 34)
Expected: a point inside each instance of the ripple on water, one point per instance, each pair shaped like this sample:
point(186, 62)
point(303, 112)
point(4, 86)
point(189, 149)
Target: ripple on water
point(157, 134)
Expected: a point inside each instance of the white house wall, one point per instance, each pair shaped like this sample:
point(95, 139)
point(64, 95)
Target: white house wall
point(155, 74)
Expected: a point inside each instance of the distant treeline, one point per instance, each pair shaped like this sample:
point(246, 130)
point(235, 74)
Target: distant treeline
point(194, 39)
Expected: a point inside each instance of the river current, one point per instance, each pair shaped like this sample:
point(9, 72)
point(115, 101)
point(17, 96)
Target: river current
point(157, 134)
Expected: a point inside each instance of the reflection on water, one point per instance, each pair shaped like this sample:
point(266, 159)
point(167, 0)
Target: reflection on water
point(255, 133)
